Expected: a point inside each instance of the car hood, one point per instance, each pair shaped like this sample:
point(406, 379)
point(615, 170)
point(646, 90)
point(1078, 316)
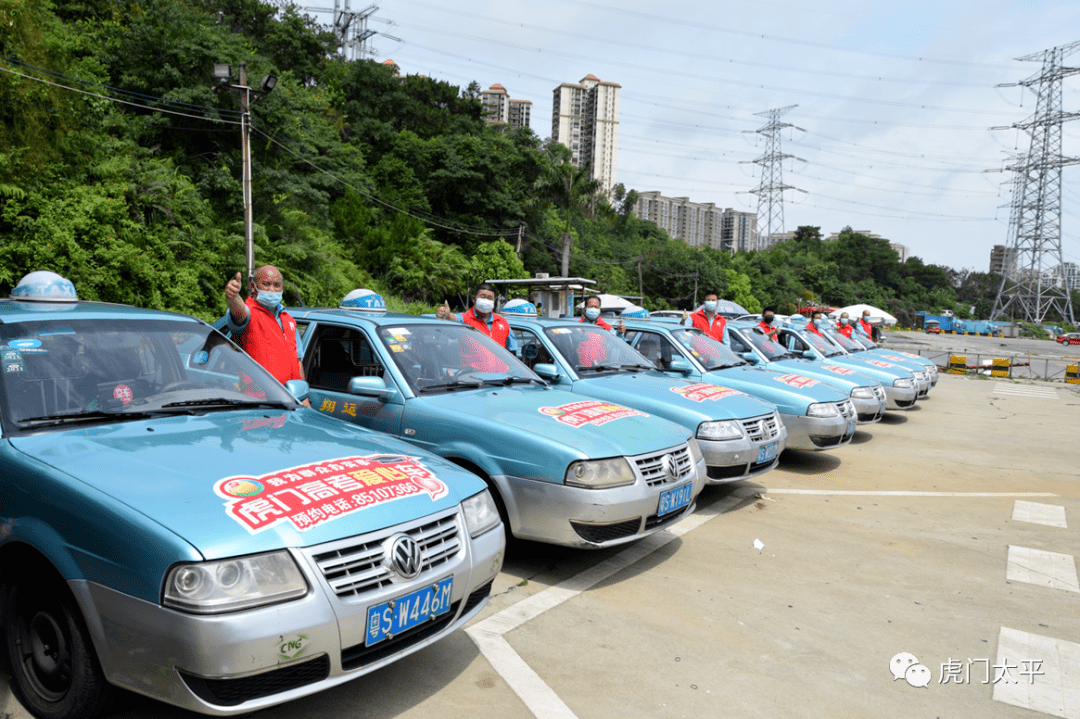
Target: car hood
point(786, 390)
point(889, 369)
point(203, 477)
point(679, 400)
point(847, 380)
point(518, 413)
point(896, 357)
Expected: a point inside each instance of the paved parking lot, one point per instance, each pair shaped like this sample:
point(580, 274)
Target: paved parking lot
point(948, 533)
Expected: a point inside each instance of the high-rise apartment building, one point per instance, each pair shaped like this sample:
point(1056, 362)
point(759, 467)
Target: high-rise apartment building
point(699, 224)
point(585, 118)
point(499, 107)
point(999, 260)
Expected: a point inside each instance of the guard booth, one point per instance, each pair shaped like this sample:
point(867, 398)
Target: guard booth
point(553, 296)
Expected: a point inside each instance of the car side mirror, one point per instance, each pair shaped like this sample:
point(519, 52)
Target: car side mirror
point(370, 387)
point(298, 388)
point(680, 365)
point(547, 371)
point(529, 351)
point(749, 357)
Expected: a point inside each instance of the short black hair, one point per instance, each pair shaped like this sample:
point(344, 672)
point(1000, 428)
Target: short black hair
point(769, 309)
point(592, 297)
point(710, 292)
point(484, 286)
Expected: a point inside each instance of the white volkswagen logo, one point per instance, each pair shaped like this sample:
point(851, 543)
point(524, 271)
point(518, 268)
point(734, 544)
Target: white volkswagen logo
point(764, 427)
point(670, 468)
point(405, 557)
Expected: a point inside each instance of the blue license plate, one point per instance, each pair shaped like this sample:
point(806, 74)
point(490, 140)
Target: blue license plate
point(408, 611)
point(850, 428)
point(766, 453)
point(675, 499)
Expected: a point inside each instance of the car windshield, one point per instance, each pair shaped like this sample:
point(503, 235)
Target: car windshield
point(710, 353)
point(820, 344)
point(863, 340)
point(438, 356)
point(772, 350)
point(81, 371)
point(849, 344)
point(589, 349)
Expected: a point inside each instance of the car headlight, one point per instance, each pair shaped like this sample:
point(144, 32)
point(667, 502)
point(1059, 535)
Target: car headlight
point(721, 430)
point(695, 451)
point(481, 514)
point(229, 585)
point(904, 382)
point(932, 369)
point(821, 409)
point(863, 393)
point(600, 473)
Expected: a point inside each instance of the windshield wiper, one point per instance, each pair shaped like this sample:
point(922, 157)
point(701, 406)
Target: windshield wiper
point(450, 386)
point(225, 402)
point(602, 368)
point(645, 367)
point(82, 417)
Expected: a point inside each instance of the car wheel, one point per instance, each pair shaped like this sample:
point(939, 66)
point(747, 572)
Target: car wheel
point(55, 672)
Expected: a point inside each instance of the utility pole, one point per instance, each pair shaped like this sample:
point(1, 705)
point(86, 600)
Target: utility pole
point(697, 274)
point(245, 172)
point(567, 238)
point(1034, 243)
point(640, 284)
point(770, 213)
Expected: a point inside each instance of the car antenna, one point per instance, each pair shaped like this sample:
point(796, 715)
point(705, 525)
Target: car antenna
point(298, 297)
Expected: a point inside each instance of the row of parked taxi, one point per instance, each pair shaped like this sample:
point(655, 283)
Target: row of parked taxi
point(173, 522)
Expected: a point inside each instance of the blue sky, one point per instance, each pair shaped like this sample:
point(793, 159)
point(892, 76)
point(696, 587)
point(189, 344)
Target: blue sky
point(895, 99)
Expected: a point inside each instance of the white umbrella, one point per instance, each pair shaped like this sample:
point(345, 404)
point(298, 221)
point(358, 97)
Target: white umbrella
point(609, 303)
point(855, 311)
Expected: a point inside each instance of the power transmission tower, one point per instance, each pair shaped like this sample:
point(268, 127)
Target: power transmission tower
point(770, 213)
point(1027, 292)
point(351, 28)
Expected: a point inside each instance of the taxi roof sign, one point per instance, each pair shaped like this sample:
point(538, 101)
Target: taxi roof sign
point(44, 286)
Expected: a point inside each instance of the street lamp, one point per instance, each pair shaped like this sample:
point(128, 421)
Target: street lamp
point(223, 74)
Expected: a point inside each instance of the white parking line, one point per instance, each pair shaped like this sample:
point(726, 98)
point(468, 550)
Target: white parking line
point(1052, 515)
point(1047, 569)
point(1023, 390)
point(1056, 691)
point(541, 700)
point(858, 493)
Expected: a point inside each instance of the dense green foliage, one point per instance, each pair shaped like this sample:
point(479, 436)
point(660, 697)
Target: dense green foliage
point(361, 178)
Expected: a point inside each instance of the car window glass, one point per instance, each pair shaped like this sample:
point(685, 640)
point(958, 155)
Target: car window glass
point(336, 354)
point(590, 347)
point(707, 351)
point(116, 366)
point(440, 353)
point(532, 349)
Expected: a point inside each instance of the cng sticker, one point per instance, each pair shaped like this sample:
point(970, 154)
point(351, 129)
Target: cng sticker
point(292, 646)
point(838, 370)
point(797, 381)
point(879, 363)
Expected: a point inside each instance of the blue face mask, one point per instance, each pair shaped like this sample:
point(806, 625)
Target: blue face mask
point(592, 313)
point(710, 305)
point(269, 300)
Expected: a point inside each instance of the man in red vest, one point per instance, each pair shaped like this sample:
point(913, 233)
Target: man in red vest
point(864, 325)
point(592, 316)
point(812, 326)
point(482, 316)
point(766, 324)
point(708, 320)
point(261, 326)
point(844, 325)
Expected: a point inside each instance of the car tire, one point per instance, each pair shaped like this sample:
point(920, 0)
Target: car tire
point(55, 672)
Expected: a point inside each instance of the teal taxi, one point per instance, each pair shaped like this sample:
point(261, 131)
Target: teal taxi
point(175, 523)
point(562, 468)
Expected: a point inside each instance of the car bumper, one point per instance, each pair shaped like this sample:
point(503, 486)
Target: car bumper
point(590, 518)
point(734, 460)
point(868, 411)
point(818, 433)
point(900, 398)
point(244, 661)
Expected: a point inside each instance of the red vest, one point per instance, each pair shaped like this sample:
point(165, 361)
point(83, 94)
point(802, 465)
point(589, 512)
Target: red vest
point(813, 328)
point(268, 344)
point(714, 330)
point(499, 330)
point(769, 330)
point(846, 330)
point(599, 322)
point(867, 328)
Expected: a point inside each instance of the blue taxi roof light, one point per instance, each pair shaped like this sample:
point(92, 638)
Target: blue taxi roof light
point(366, 300)
point(520, 307)
point(44, 286)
